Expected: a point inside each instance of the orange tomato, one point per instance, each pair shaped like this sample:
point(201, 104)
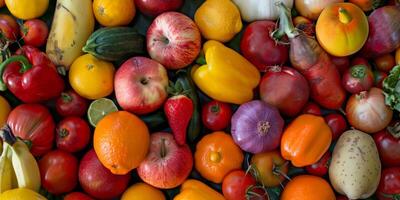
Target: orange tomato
point(271, 167)
point(307, 187)
point(305, 140)
point(121, 141)
point(342, 29)
point(216, 155)
point(385, 62)
point(398, 56)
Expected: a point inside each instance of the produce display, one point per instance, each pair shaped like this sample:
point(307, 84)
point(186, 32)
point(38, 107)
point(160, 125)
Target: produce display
point(199, 99)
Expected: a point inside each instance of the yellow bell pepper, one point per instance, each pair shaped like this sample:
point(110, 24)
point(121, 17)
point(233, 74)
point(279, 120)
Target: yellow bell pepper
point(196, 190)
point(227, 76)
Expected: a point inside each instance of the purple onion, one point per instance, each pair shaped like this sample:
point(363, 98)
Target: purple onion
point(257, 127)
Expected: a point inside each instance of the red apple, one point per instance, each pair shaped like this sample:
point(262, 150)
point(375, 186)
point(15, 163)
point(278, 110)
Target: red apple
point(141, 85)
point(167, 164)
point(98, 181)
point(174, 40)
point(156, 7)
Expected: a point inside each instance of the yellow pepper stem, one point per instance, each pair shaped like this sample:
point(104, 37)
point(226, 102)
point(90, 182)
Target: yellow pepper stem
point(344, 16)
point(215, 157)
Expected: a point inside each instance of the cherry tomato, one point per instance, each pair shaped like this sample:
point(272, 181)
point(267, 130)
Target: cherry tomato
point(385, 62)
point(271, 168)
point(389, 185)
point(216, 115)
point(236, 184)
point(77, 196)
point(379, 76)
point(71, 104)
point(321, 167)
point(73, 134)
point(312, 108)
point(388, 146)
point(337, 123)
point(34, 32)
point(58, 171)
point(9, 27)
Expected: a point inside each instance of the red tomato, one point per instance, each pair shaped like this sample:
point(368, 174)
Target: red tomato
point(34, 32)
point(77, 196)
point(34, 124)
point(312, 108)
point(388, 146)
point(358, 78)
point(236, 184)
point(389, 185)
point(271, 167)
point(321, 167)
point(9, 27)
point(337, 123)
point(360, 61)
point(58, 171)
point(385, 62)
point(73, 134)
point(71, 104)
point(216, 115)
point(379, 76)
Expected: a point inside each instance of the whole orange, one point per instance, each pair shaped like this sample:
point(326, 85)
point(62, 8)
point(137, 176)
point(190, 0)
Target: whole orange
point(308, 187)
point(121, 141)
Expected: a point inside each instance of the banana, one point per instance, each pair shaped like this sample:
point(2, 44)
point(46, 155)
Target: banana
point(25, 166)
point(73, 23)
point(7, 174)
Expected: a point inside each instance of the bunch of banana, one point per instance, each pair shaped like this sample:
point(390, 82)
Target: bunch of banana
point(18, 167)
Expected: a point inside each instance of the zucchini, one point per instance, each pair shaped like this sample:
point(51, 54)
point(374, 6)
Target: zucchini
point(115, 43)
point(155, 121)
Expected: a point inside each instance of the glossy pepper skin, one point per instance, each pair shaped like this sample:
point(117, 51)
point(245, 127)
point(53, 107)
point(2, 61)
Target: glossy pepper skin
point(196, 190)
point(306, 140)
point(31, 76)
point(227, 76)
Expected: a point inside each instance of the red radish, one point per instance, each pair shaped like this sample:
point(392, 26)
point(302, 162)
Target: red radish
point(216, 115)
point(312, 108)
point(286, 89)
point(313, 62)
point(73, 134)
point(337, 123)
point(259, 48)
point(384, 32)
point(178, 110)
point(357, 79)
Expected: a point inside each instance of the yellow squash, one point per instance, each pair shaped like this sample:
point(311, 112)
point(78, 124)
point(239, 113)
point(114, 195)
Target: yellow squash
point(196, 190)
point(227, 76)
point(27, 9)
point(73, 23)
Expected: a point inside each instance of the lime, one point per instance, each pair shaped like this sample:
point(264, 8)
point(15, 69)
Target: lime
point(100, 108)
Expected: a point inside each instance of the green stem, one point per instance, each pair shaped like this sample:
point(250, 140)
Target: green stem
point(25, 66)
point(285, 23)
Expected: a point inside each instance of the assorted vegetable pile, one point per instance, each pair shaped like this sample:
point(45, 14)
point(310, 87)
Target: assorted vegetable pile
point(199, 99)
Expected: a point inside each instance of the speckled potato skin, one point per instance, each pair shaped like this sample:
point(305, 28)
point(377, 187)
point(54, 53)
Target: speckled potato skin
point(355, 169)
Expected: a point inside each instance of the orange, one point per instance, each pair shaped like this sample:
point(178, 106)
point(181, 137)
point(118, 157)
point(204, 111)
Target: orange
point(114, 12)
point(307, 187)
point(121, 141)
point(397, 56)
point(142, 191)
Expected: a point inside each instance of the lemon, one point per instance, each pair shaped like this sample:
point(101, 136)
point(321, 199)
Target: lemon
point(218, 20)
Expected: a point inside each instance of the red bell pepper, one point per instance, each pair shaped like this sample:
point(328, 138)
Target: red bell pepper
point(31, 76)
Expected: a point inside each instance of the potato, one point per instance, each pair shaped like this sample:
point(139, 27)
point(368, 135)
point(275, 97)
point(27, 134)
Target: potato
point(355, 169)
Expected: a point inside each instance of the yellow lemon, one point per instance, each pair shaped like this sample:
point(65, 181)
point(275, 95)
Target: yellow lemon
point(5, 109)
point(21, 194)
point(142, 191)
point(218, 20)
point(91, 77)
point(114, 12)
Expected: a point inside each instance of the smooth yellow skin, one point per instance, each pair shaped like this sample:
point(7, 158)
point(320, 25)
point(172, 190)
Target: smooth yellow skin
point(342, 34)
point(218, 20)
point(196, 190)
point(27, 9)
point(5, 109)
point(92, 78)
point(114, 12)
point(142, 191)
point(21, 194)
point(227, 76)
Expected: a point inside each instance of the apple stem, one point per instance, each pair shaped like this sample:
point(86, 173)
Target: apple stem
point(163, 150)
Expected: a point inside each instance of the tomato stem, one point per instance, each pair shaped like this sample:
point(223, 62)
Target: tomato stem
point(215, 108)
point(358, 71)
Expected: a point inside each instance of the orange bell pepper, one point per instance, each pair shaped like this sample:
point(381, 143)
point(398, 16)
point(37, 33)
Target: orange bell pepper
point(196, 190)
point(306, 140)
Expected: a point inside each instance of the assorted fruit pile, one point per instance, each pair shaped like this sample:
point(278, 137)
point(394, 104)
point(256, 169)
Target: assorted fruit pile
point(199, 99)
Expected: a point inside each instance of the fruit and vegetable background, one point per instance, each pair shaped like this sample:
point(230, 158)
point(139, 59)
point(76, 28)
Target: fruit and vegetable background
point(199, 100)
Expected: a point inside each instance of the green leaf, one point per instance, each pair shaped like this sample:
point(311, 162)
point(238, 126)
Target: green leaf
point(391, 88)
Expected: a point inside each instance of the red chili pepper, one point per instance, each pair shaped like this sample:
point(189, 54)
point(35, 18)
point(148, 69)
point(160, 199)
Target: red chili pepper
point(31, 77)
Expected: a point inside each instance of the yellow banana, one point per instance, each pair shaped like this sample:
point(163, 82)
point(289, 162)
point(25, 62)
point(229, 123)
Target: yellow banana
point(73, 23)
point(7, 175)
point(25, 166)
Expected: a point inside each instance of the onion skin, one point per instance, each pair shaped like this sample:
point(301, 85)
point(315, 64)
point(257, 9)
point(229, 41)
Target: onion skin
point(286, 89)
point(384, 32)
point(312, 8)
point(257, 127)
point(368, 112)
